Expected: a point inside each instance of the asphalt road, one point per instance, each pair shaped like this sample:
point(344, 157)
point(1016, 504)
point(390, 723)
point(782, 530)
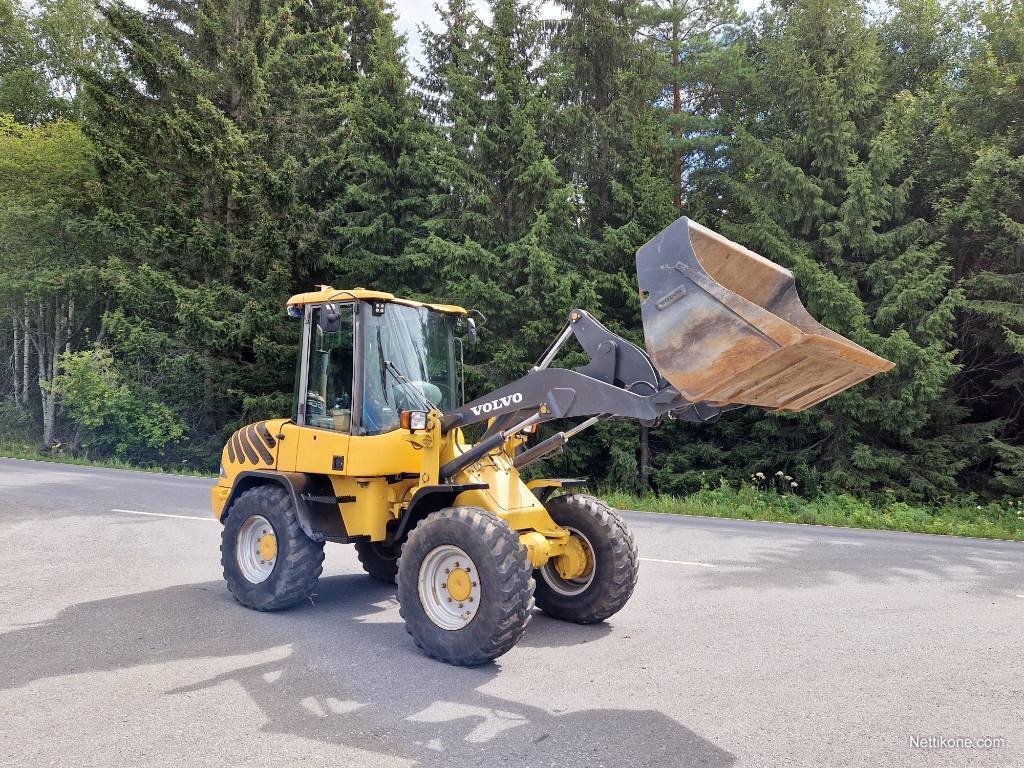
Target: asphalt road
point(745, 644)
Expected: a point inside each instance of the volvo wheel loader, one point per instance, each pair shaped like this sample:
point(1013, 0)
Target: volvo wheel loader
point(376, 454)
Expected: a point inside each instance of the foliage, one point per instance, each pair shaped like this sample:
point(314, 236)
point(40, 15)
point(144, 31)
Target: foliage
point(994, 520)
point(109, 416)
point(170, 174)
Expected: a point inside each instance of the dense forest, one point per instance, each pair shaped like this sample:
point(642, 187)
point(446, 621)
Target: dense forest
point(169, 176)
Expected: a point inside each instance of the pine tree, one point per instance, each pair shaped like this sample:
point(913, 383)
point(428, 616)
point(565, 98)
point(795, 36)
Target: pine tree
point(208, 147)
point(686, 37)
point(971, 136)
point(378, 220)
point(535, 226)
point(817, 181)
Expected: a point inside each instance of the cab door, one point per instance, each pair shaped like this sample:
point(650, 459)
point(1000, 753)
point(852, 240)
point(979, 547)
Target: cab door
point(324, 392)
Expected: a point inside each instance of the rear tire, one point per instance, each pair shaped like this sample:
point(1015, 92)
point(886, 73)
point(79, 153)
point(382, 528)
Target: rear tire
point(484, 617)
point(608, 588)
point(379, 560)
point(291, 575)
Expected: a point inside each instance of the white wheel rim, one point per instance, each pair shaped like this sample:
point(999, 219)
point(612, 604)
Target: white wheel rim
point(438, 578)
point(570, 587)
point(251, 549)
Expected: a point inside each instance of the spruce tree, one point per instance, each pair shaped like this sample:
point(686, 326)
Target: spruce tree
point(535, 225)
point(817, 181)
point(204, 153)
point(973, 145)
point(377, 220)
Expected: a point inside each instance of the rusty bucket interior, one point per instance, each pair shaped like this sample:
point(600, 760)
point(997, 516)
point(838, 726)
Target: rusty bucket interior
point(725, 325)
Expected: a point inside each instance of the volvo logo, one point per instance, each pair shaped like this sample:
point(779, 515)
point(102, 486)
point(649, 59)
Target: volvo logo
point(497, 403)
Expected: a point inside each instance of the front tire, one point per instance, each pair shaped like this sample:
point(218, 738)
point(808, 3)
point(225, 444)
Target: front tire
point(465, 587)
point(607, 587)
point(379, 560)
point(269, 563)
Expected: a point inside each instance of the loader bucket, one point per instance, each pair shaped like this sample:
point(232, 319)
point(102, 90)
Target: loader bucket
point(725, 325)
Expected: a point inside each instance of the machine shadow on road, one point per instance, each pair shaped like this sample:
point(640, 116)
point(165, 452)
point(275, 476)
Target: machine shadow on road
point(348, 674)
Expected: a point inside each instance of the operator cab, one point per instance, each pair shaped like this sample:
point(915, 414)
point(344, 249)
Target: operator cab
point(366, 356)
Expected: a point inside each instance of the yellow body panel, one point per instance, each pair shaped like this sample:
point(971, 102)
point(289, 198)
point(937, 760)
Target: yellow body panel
point(253, 447)
point(327, 293)
point(318, 449)
point(374, 506)
point(383, 472)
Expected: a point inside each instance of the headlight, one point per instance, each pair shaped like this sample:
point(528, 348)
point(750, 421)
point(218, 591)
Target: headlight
point(223, 472)
point(413, 420)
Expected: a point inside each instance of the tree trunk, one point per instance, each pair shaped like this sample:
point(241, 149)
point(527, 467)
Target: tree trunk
point(69, 323)
point(43, 343)
point(645, 459)
point(15, 361)
point(677, 108)
point(24, 356)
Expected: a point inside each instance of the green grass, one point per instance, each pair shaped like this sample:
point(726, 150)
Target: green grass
point(19, 450)
point(993, 520)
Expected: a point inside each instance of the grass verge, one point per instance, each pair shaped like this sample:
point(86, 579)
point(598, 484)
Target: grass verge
point(16, 450)
point(994, 520)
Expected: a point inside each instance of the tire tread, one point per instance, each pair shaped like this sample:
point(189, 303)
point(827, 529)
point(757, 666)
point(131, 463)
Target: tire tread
point(514, 582)
point(305, 559)
point(620, 581)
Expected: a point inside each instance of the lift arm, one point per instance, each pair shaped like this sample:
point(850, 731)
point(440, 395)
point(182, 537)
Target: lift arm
point(619, 382)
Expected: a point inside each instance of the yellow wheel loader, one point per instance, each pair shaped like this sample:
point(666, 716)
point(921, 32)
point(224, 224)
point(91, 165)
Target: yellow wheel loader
point(375, 452)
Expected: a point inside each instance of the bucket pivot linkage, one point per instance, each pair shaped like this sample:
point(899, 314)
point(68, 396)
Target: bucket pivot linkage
point(723, 328)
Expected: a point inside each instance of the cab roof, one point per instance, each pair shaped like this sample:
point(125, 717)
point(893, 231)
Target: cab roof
point(327, 293)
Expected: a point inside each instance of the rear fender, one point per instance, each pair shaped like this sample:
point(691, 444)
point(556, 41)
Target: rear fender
point(316, 506)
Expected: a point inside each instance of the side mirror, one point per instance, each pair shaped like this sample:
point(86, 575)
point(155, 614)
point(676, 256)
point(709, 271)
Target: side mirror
point(471, 330)
point(330, 318)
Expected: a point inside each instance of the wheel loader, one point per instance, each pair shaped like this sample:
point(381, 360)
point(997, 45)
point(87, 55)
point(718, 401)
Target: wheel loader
point(376, 452)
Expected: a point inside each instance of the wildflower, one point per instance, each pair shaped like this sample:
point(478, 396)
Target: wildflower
point(780, 473)
point(759, 475)
point(788, 477)
point(794, 484)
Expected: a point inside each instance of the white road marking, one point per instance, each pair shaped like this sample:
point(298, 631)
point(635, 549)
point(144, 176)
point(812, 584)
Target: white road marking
point(164, 514)
point(677, 562)
point(1020, 595)
point(210, 519)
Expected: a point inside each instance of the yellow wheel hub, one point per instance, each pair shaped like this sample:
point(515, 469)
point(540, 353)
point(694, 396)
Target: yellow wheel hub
point(574, 562)
point(267, 546)
point(459, 584)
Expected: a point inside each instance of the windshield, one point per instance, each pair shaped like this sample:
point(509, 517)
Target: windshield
point(408, 363)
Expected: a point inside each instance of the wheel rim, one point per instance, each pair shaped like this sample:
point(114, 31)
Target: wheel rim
point(449, 587)
point(571, 587)
point(256, 549)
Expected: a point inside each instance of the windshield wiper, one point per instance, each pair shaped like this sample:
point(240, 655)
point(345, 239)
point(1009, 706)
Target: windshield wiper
point(383, 364)
point(400, 378)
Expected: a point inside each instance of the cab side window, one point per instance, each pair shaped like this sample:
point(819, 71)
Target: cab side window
point(329, 373)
